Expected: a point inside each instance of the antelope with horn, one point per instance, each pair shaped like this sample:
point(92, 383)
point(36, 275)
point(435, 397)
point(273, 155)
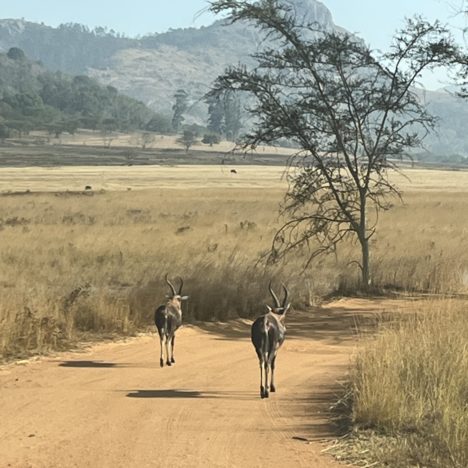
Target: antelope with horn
point(267, 334)
point(168, 318)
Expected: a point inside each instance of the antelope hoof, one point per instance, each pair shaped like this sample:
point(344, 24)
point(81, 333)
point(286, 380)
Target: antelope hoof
point(272, 388)
point(266, 394)
point(168, 363)
point(262, 392)
point(173, 360)
point(161, 363)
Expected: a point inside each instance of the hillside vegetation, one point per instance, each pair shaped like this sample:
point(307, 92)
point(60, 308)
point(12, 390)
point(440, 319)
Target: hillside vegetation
point(154, 67)
point(32, 98)
point(80, 263)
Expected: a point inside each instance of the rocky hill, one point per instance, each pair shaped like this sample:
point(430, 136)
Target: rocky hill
point(153, 67)
point(149, 68)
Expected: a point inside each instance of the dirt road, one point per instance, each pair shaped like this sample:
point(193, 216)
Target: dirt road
point(112, 406)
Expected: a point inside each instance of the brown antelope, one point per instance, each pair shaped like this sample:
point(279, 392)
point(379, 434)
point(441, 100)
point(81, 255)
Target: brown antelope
point(168, 318)
point(267, 334)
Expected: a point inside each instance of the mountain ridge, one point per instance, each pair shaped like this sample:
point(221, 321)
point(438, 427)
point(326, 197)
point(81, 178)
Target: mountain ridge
point(153, 67)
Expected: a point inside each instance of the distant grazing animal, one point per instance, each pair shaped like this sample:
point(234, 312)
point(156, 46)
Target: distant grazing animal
point(168, 318)
point(88, 187)
point(267, 334)
point(233, 171)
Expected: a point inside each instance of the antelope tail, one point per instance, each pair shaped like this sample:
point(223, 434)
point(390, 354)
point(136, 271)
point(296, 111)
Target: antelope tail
point(266, 344)
point(165, 323)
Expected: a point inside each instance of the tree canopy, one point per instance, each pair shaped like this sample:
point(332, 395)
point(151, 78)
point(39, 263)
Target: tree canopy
point(32, 98)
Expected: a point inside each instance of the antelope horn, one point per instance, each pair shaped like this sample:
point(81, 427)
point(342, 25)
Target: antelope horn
point(277, 302)
point(181, 285)
point(286, 294)
point(171, 286)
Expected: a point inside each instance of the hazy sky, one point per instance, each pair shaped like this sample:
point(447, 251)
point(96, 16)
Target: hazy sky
point(374, 20)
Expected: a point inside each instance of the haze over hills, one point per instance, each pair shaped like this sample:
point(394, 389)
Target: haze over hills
point(153, 67)
point(32, 98)
point(150, 68)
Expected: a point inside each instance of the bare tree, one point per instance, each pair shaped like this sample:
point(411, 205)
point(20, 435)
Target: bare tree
point(352, 112)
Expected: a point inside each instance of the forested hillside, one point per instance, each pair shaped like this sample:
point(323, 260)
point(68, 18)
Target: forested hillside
point(156, 68)
point(32, 98)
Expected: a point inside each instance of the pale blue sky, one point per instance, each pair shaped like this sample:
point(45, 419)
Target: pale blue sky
point(374, 20)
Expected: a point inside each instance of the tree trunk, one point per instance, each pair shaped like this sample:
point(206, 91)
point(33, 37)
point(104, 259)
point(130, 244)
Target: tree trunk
point(365, 278)
point(364, 241)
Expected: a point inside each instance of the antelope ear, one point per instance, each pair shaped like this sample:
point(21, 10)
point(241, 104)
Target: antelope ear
point(287, 308)
point(269, 308)
point(184, 298)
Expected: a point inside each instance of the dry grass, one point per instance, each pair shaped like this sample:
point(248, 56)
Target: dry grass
point(126, 140)
point(74, 263)
point(121, 178)
point(410, 392)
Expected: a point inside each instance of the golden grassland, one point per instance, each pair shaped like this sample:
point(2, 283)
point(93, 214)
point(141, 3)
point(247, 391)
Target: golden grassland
point(180, 176)
point(408, 394)
point(76, 262)
point(119, 178)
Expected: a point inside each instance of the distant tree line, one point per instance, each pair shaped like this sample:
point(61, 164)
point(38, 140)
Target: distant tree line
point(34, 99)
point(224, 115)
point(223, 122)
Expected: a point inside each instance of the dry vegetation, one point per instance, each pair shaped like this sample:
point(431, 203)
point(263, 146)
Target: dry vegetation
point(74, 263)
point(409, 391)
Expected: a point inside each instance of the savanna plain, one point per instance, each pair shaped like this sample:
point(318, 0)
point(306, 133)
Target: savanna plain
point(81, 266)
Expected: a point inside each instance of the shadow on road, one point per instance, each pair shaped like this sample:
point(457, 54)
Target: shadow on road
point(333, 324)
point(325, 407)
point(165, 394)
point(90, 364)
point(175, 393)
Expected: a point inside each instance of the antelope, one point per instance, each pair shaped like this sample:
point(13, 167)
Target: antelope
point(168, 318)
point(267, 334)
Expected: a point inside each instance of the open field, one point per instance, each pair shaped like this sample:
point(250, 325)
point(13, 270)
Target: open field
point(80, 262)
point(158, 142)
point(75, 155)
point(79, 265)
point(38, 179)
point(180, 176)
point(92, 149)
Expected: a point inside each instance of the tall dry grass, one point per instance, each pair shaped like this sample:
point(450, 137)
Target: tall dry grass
point(411, 386)
point(72, 264)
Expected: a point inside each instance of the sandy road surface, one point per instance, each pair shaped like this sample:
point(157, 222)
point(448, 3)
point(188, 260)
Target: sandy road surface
point(112, 406)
